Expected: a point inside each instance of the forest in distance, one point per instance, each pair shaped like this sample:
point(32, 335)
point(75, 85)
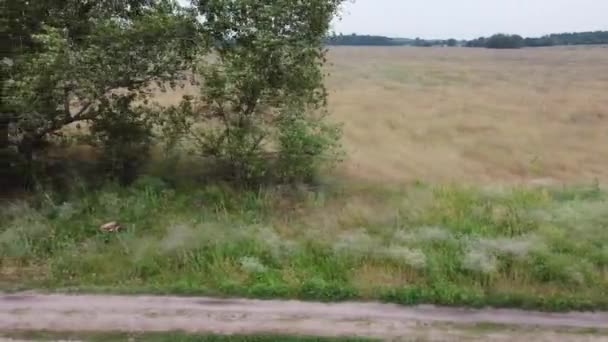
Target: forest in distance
point(497, 41)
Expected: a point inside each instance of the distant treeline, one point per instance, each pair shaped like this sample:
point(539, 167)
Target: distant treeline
point(362, 40)
point(505, 41)
point(368, 40)
point(497, 41)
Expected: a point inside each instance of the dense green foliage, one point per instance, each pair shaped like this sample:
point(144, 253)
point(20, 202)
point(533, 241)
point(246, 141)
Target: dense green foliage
point(502, 41)
point(498, 41)
point(92, 67)
point(528, 248)
point(262, 103)
point(368, 40)
point(91, 62)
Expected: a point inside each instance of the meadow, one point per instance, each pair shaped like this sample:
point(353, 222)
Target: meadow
point(471, 177)
point(472, 115)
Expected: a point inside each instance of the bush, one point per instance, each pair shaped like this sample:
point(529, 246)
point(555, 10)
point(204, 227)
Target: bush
point(93, 63)
point(262, 95)
point(503, 41)
point(124, 135)
point(305, 146)
point(85, 62)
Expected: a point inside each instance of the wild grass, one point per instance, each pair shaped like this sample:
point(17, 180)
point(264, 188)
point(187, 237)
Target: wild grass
point(507, 126)
point(171, 337)
point(471, 115)
point(451, 245)
point(432, 332)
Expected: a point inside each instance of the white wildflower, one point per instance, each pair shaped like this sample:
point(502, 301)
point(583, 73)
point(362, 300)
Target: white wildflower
point(178, 236)
point(404, 236)
point(252, 265)
point(575, 275)
point(423, 234)
point(480, 261)
point(18, 209)
point(539, 215)
point(66, 211)
point(8, 62)
point(414, 258)
point(357, 242)
point(519, 247)
point(433, 234)
point(110, 201)
point(279, 247)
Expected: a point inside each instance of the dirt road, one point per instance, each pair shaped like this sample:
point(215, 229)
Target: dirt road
point(238, 316)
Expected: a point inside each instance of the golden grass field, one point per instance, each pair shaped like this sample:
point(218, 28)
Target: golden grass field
point(471, 115)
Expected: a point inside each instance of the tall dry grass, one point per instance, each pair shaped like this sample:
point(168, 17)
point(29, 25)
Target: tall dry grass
point(473, 115)
point(469, 115)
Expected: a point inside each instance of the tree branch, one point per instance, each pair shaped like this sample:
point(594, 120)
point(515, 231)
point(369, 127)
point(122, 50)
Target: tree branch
point(256, 144)
point(83, 109)
point(66, 101)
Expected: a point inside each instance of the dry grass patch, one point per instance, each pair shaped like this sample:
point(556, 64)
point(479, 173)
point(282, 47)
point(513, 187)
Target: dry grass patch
point(371, 277)
point(471, 114)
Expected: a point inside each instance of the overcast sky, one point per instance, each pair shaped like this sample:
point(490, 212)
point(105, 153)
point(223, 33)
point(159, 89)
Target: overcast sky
point(471, 18)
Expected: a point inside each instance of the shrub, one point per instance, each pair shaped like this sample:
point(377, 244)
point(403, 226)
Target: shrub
point(305, 146)
point(124, 134)
point(86, 62)
point(503, 41)
point(262, 97)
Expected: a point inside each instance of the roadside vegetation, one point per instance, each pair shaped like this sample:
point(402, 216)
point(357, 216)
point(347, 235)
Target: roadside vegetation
point(172, 337)
point(481, 332)
point(451, 245)
point(227, 191)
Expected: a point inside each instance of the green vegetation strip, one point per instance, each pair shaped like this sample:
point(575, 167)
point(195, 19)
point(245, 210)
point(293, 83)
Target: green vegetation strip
point(169, 337)
point(532, 248)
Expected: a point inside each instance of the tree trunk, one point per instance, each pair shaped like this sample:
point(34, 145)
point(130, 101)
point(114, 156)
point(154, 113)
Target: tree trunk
point(5, 157)
point(3, 131)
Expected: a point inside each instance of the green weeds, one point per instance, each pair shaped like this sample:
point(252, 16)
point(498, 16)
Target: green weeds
point(450, 245)
point(176, 337)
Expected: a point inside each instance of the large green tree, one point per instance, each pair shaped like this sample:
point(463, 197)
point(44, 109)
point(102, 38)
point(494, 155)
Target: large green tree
point(22, 20)
point(262, 103)
point(70, 61)
point(504, 41)
point(259, 61)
